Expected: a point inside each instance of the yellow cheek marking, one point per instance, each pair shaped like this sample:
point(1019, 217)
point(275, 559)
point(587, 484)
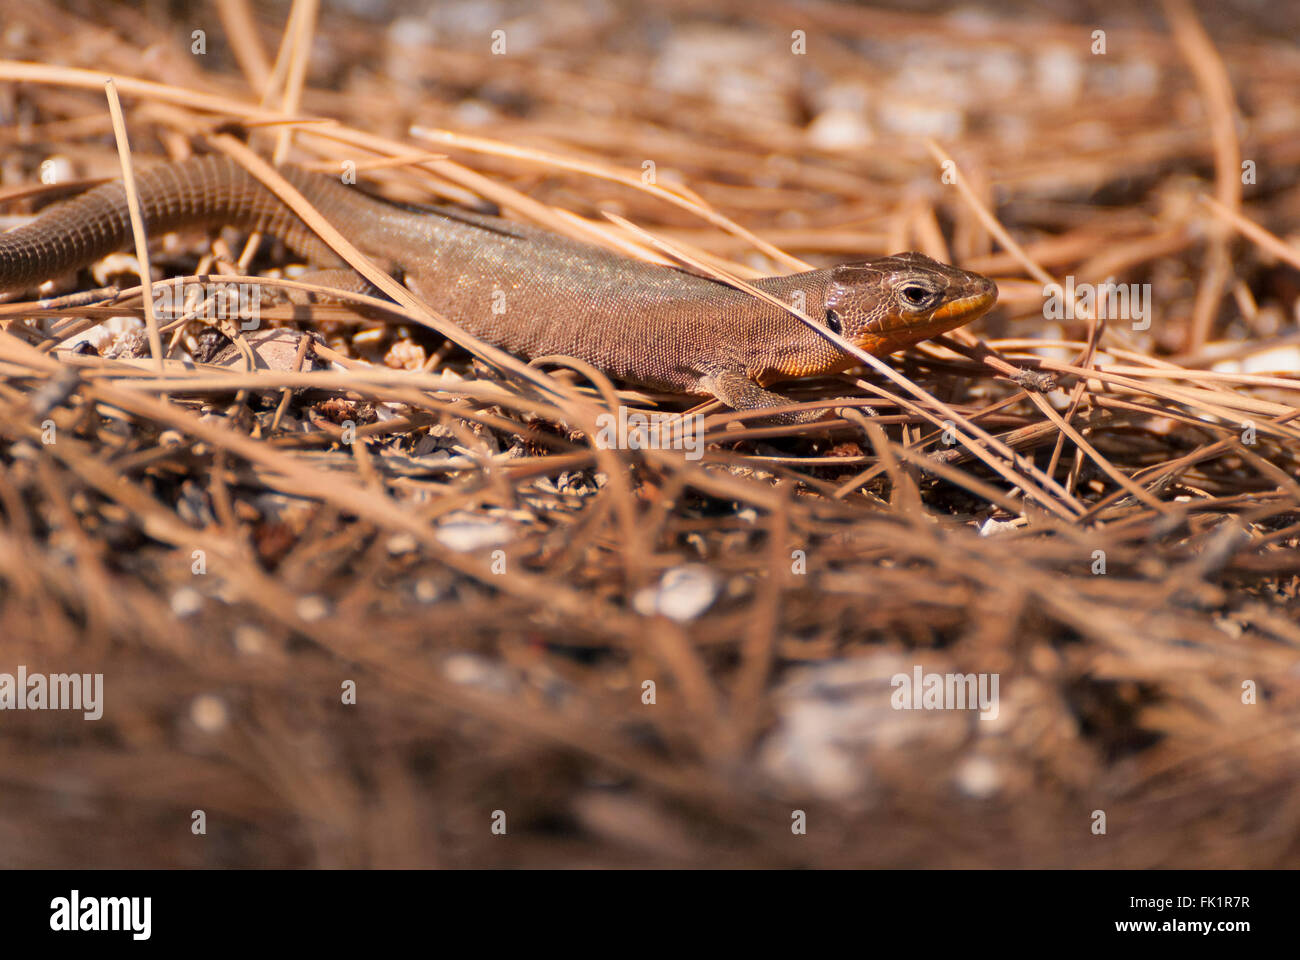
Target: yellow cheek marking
point(961, 311)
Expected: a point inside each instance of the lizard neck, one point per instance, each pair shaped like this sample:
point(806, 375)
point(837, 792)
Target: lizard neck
point(782, 347)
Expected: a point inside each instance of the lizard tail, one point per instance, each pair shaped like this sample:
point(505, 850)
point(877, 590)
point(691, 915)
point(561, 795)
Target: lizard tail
point(201, 191)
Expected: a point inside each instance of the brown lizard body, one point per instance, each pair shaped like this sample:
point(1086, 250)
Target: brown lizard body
point(535, 293)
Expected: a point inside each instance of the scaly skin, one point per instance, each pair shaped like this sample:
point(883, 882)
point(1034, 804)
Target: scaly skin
point(535, 293)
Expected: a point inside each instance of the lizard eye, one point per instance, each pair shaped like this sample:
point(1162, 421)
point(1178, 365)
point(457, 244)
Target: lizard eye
point(915, 295)
point(833, 321)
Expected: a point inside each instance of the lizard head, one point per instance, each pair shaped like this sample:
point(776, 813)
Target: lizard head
point(889, 303)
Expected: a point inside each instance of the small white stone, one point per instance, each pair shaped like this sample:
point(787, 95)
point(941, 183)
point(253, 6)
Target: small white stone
point(209, 713)
point(840, 128)
point(186, 602)
point(313, 608)
point(1059, 74)
point(683, 593)
point(465, 533)
point(979, 777)
point(57, 168)
point(415, 33)
point(472, 670)
point(991, 527)
point(400, 543)
point(113, 265)
point(1279, 360)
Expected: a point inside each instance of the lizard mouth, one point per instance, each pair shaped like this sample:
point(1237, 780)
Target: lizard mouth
point(964, 309)
point(898, 332)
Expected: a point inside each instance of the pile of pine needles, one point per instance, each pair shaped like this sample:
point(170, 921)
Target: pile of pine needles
point(361, 610)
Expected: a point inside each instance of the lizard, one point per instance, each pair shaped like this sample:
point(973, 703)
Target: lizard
point(536, 293)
